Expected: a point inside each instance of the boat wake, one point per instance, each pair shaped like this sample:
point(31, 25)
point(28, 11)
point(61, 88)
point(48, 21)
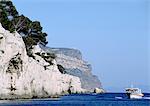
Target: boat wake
point(146, 98)
point(118, 97)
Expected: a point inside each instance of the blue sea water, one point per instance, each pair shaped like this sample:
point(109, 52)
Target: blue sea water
point(107, 99)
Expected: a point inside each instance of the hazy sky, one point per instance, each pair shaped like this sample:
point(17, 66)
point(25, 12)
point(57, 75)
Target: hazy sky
point(111, 34)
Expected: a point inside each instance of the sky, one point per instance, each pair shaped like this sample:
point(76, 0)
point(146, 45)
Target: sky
point(113, 36)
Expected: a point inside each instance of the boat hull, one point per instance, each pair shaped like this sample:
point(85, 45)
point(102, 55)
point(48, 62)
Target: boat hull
point(132, 96)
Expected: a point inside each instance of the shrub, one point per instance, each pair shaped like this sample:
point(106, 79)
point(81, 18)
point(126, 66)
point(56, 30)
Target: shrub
point(61, 69)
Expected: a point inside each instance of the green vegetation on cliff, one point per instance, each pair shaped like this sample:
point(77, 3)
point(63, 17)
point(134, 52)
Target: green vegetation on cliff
point(31, 31)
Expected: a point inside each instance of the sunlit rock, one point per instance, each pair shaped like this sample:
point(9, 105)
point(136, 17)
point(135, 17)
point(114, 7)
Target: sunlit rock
point(99, 90)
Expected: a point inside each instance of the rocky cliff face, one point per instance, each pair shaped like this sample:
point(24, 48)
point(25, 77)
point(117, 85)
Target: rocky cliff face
point(22, 76)
point(71, 60)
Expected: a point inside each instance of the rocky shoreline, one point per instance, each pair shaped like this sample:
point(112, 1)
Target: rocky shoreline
point(31, 77)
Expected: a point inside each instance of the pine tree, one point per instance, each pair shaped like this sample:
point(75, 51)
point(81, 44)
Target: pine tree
point(31, 31)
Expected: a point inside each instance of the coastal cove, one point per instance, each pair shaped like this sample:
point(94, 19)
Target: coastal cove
point(29, 69)
point(89, 53)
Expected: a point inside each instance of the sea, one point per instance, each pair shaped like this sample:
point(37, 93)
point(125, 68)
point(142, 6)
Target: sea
point(106, 99)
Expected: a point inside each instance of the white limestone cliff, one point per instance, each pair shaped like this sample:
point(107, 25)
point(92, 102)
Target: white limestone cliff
point(22, 76)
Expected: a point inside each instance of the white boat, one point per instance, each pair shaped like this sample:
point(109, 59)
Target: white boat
point(134, 93)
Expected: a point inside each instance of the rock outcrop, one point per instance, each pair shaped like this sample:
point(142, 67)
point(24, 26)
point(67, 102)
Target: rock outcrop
point(71, 60)
point(22, 76)
point(98, 90)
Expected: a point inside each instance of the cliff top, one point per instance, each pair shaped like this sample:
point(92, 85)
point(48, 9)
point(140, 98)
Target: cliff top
point(65, 51)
